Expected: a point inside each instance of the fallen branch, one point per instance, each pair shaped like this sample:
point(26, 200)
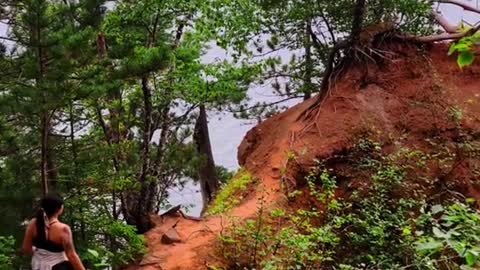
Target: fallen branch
point(440, 37)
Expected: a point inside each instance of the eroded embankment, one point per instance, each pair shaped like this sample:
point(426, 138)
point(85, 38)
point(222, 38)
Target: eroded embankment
point(410, 100)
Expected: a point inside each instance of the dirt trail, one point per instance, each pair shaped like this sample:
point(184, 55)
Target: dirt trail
point(407, 98)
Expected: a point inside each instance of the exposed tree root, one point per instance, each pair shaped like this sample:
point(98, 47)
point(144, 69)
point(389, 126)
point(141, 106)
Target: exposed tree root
point(351, 48)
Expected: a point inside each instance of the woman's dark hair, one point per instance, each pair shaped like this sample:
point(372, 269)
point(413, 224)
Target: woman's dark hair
point(49, 205)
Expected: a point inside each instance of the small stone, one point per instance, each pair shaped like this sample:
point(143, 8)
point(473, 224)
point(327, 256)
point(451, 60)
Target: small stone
point(170, 237)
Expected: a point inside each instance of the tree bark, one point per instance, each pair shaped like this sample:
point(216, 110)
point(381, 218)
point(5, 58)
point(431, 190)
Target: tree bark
point(44, 155)
point(207, 173)
point(73, 149)
point(147, 128)
point(357, 24)
point(143, 203)
point(308, 85)
point(47, 167)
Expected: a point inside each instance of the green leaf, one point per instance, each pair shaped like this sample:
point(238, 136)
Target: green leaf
point(465, 59)
point(94, 253)
point(462, 47)
point(471, 259)
point(428, 246)
point(452, 49)
point(471, 201)
point(439, 233)
point(407, 231)
point(437, 209)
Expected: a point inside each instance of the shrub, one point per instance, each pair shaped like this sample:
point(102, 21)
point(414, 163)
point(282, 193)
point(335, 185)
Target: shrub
point(7, 252)
point(232, 193)
point(385, 223)
point(449, 238)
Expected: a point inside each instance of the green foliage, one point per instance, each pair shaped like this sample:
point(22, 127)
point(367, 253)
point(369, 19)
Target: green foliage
point(380, 225)
point(127, 246)
point(465, 48)
point(7, 252)
point(232, 193)
point(82, 75)
point(116, 243)
point(308, 30)
point(449, 237)
point(224, 175)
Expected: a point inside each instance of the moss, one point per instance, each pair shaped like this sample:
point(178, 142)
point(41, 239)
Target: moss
point(232, 193)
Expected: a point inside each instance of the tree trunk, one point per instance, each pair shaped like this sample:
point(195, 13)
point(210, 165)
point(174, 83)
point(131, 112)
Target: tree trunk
point(308, 85)
point(207, 173)
point(140, 204)
point(357, 24)
point(47, 167)
point(44, 151)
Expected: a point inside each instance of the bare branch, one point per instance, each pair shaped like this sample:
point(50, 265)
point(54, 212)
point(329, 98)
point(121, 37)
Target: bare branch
point(330, 29)
point(261, 105)
point(441, 37)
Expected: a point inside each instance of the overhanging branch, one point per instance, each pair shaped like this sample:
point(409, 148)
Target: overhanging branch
point(440, 37)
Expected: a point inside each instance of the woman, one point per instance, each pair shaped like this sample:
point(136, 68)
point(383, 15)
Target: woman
point(49, 241)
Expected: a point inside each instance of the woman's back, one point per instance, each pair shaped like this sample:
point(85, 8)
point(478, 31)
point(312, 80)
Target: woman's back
point(54, 241)
point(49, 241)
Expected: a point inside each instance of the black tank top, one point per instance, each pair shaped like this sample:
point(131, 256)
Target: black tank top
point(48, 245)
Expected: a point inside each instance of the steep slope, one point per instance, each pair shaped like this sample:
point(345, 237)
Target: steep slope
point(409, 96)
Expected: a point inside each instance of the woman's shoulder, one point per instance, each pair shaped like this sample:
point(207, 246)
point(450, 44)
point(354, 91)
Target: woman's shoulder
point(60, 225)
point(31, 223)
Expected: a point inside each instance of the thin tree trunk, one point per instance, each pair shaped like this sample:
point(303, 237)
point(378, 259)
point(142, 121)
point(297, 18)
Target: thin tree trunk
point(75, 173)
point(44, 150)
point(357, 24)
point(147, 128)
point(143, 203)
point(46, 164)
point(308, 85)
point(207, 173)
point(165, 110)
point(138, 205)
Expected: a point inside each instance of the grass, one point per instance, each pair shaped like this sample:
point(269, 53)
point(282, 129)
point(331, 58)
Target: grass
point(232, 193)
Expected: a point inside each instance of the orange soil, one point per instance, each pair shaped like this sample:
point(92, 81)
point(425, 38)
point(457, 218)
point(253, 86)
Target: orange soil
point(410, 95)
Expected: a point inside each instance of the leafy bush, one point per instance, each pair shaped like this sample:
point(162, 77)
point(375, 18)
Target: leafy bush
point(465, 48)
point(7, 252)
point(232, 193)
point(450, 238)
point(125, 246)
point(382, 224)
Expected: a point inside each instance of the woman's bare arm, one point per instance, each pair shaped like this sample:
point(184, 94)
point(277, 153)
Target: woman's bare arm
point(27, 246)
point(70, 249)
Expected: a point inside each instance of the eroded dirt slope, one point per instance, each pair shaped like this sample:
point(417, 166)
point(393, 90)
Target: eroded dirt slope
point(414, 94)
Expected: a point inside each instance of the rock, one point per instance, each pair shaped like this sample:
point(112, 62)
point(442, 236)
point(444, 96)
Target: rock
point(248, 145)
point(170, 237)
point(150, 260)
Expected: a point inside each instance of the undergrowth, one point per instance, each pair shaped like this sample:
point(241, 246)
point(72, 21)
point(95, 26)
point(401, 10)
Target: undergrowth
point(232, 193)
point(7, 252)
point(390, 220)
